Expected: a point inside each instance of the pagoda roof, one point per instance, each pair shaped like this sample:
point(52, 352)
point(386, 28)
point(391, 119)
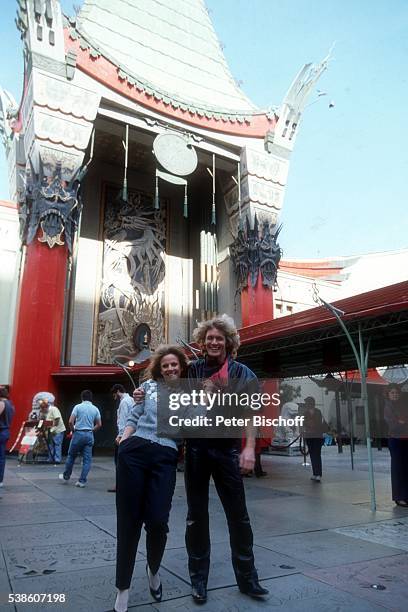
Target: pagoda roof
point(167, 47)
point(8, 204)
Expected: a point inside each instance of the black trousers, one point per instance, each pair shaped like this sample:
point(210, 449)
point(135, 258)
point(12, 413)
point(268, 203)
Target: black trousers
point(315, 449)
point(202, 462)
point(146, 477)
point(399, 468)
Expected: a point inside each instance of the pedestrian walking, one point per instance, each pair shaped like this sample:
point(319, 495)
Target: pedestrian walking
point(314, 426)
point(396, 416)
point(126, 404)
point(56, 436)
point(6, 416)
point(85, 419)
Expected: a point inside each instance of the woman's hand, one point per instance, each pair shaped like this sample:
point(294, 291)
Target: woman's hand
point(127, 432)
point(138, 395)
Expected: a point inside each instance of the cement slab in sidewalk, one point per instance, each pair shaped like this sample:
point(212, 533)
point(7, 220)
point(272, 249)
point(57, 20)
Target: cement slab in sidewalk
point(318, 547)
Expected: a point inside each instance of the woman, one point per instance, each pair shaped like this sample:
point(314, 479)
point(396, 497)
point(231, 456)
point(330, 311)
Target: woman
point(396, 416)
point(6, 416)
point(313, 428)
point(146, 477)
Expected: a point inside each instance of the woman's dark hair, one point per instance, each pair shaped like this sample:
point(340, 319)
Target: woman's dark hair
point(86, 395)
point(4, 392)
point(394, 386)
point(153, 369)
point(118, 387)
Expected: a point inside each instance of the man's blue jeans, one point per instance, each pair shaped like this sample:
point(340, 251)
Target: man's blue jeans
point(55, 443)
point(82, 442)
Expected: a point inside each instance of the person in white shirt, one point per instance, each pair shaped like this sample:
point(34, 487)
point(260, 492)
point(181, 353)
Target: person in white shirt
point(57, 432)
point(126, 404)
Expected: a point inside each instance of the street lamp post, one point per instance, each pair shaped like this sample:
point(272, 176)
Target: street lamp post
point(361, 356)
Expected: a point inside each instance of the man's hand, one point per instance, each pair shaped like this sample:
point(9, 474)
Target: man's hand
point(247, 459)
point(118, 439)
point(138, 395)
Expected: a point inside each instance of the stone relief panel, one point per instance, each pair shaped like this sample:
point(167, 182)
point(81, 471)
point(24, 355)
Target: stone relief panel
point(60, 129)
point(59, 95)
point(134, 241)
point(262, 192)
point(264, 165)
point(263, 180)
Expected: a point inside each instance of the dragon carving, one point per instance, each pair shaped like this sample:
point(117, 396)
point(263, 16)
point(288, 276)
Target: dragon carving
point(52, 205)
point(256, 252)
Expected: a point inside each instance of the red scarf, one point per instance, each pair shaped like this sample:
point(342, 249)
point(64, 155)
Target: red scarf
point(220, 378)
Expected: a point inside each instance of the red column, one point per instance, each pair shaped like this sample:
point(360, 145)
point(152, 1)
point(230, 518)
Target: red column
point(256, 304)
point(257, 307)
point(39, 326)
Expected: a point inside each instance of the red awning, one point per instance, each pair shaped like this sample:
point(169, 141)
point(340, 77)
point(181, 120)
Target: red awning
point(373, 377)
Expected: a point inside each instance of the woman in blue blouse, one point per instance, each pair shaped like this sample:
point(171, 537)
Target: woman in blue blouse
point(146, 477)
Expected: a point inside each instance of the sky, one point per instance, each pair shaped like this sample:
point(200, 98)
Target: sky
point(347, 186)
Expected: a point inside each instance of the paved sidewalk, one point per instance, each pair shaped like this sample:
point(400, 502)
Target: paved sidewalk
point(317, 546)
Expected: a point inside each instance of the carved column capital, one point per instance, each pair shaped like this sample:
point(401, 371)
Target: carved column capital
point(51, 205)
point(256, 251)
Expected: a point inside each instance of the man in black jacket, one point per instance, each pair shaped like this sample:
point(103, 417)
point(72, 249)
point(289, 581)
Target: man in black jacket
point(222, 459)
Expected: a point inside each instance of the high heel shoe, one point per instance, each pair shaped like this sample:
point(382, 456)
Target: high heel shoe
point(155, 593)
point(120, 596)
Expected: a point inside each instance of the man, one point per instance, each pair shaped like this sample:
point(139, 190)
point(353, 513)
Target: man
point(56, 434)
point(84, 421)
point(220, 458)
point(126, 404)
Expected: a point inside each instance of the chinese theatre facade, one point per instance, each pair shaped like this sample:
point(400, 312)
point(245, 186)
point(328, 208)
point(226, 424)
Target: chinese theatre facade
point(148, 185)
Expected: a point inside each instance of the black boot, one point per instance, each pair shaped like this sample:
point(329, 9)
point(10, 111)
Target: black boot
point(252, 588)
point(199, 592)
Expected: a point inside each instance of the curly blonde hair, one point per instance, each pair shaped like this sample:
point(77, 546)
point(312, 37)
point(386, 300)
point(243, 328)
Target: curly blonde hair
point(153, 369)
point(226, 326)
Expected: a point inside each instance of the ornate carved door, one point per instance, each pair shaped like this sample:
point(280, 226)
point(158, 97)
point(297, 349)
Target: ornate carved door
point(134, 241)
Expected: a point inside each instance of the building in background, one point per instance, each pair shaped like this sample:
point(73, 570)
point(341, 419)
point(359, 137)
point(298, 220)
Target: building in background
point(10, 260)
point(336, 278)
point(181, 181)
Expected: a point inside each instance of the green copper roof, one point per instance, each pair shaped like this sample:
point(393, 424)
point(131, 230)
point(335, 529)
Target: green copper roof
point(169, 46)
